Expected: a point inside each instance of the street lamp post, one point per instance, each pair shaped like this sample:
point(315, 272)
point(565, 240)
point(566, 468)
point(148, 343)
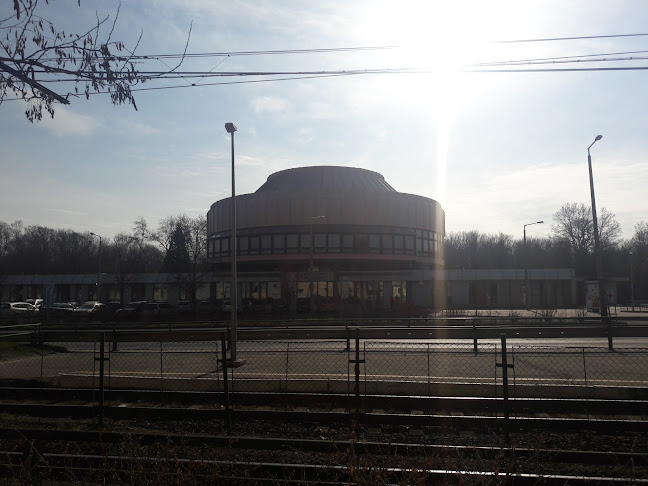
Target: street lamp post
point(311, 264)
point(597, 242)
point(527, 290)
point(631, 283)
point(99, 274)
point(231, 128)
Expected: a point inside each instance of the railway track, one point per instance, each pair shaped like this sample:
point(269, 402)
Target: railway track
point(184, 437)
point(133, 458)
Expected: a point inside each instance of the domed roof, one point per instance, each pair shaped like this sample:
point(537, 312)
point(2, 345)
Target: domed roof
point(325, 179)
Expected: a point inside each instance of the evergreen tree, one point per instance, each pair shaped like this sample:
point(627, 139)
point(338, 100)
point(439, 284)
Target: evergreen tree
point(177, 258)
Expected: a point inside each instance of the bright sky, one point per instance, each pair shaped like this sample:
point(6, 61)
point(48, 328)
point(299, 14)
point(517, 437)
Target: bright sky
point(497, 150)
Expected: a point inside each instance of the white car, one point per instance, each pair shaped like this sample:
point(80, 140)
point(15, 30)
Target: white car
point(35, 302)
point(91, 309)
point(17, 308)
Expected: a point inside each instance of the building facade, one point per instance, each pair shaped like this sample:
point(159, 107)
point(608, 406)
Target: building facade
point(324, 239)
point(342, 235)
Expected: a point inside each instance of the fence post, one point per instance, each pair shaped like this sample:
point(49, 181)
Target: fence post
point(102, 356)
point(42, 353)
point(357, 362)
point(428, 369)
point(505, 366)
point(348, 343)
point(609, 334)
point(228, 422)
point(474, 330)
point(161, 368)
point(357, 369)
point(287, 355)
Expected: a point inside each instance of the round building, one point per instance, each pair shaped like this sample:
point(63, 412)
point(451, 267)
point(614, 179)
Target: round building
point(330, 238)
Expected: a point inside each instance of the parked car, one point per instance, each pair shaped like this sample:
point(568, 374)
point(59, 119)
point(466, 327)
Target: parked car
point(184, 307)
point(157, 310)
point(226, 307)
point(207, 308)
point(57, 310)
point(131, 311)
point(35, 302)
point(91, 310)
point(8, 308)
point(19, 311)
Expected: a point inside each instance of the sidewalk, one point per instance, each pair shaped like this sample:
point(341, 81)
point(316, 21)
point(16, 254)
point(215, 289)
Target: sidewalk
point(616, 312)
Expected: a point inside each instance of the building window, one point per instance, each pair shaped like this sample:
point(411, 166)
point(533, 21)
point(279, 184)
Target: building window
point(399, 291)
point(409, 245)
point(254, 245)
point(274, 290)
point(374, 243)
point(244, 245)
point(399, 244)
point(320, 241)
point(224, 247)
point(387, 244)
point(362, 243)
point(292, 243)
point(278, 244)
point(202, 292)
point(305, 242)
point(160, 293)
point(334, 242)
point(266, 244)
point(347, 243)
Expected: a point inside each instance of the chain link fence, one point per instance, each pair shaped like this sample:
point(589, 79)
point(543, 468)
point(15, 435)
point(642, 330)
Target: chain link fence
point(580, 368)
point(327, 366)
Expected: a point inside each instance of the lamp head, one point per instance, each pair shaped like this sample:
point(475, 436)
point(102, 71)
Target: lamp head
point(230, 127)
point(540, 222)
point(598, 137)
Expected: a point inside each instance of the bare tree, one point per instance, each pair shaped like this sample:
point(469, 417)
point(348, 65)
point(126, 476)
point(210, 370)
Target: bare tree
point(183, 240)
point(33, 51)
point(573, 223)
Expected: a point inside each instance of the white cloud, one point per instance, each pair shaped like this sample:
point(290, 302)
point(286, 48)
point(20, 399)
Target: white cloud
point(138, 128)
point(67, 123)
point(269, 104)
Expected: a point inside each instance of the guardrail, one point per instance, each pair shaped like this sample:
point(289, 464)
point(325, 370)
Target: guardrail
point(14, 330)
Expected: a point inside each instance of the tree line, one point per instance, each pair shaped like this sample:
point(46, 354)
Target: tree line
point(178, 246)
point(570, 245)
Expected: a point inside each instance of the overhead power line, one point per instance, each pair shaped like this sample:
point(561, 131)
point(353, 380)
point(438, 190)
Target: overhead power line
point(271, 76)
point(556, 39)
point(275, 52)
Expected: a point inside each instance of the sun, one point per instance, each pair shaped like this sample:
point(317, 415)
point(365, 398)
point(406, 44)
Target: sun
point(437, 42)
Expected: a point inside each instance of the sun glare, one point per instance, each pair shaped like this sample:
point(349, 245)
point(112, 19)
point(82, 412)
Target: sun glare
point(437, 41)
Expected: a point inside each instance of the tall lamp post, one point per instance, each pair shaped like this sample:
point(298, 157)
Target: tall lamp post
point(231, 128)
point(99, 274)
point(311, 265)
point(527, 290)
point(597, 242)
point(631, 282)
